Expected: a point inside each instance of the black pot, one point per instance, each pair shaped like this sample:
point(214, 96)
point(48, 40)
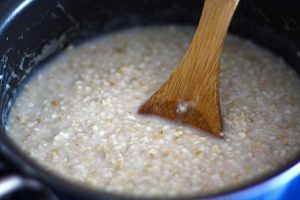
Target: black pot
point(32, 31)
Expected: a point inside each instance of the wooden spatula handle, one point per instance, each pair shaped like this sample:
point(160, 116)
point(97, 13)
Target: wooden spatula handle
point(215, 20)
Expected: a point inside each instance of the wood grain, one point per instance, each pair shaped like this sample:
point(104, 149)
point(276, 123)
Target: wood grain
point(191, 94)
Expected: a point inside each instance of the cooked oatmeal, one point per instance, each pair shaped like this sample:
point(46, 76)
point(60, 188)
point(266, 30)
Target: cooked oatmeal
point(77, 116)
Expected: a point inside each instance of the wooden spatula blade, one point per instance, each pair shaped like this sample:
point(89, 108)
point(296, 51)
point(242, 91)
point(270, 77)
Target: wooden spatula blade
point(186, 110)
point(192, 117)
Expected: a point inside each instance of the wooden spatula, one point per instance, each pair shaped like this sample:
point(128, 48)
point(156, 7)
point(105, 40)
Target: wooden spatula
point(191, 94)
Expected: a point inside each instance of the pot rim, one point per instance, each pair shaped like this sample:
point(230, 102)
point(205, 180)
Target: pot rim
point(30, 168)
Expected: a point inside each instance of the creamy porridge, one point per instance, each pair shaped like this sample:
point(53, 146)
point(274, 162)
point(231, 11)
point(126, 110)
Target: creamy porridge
point(77, 116)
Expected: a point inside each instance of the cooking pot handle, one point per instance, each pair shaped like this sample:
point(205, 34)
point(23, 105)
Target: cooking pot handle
point(13, 183)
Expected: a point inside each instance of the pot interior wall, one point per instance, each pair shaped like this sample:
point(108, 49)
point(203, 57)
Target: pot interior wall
point(31, 32)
